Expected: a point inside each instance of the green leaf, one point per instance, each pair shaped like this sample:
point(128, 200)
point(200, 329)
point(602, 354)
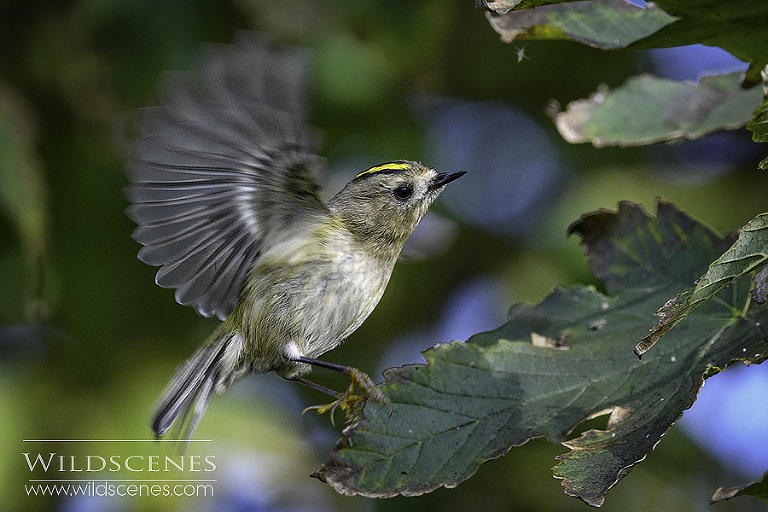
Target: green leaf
point(738, 26)
point(556, 364)
point(648, 110)
point(749, 253)
point(759, 128)
point(758, 489)
point(759, 124)
point(606, 24)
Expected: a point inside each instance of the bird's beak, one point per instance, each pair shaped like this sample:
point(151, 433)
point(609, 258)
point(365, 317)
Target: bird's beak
point(444, 178)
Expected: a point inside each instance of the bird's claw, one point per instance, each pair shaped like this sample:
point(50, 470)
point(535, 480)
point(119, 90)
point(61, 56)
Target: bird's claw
point(351, 403)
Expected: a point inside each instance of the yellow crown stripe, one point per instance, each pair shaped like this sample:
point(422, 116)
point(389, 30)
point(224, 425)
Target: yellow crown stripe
point(392, 166)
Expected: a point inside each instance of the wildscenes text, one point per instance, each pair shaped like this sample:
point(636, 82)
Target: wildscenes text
point(137, 463)
point(96, 488)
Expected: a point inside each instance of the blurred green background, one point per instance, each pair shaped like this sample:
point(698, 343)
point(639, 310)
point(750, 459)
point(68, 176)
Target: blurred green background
point(87, 340)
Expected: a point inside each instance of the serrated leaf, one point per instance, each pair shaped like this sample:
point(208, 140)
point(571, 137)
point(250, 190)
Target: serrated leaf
point(474, 401)
point(758, 489)
point(648, 109)
point(747, 254)
point(605, 24)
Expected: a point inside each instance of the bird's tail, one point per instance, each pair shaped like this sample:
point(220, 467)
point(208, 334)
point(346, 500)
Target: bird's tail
point(210, 370)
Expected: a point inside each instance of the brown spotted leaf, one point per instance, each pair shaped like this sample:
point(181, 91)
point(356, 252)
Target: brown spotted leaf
point(556, 364)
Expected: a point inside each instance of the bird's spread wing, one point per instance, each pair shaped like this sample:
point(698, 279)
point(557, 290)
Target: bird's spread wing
point(225, 163)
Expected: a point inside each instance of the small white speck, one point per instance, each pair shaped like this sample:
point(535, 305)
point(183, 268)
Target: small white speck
point(662, 399)
point(410, 431)
point(757, 324)
point(292, 351)
point(744, 350)
point(647, 436)
point(757, 355)
point(521, 56)
point(673, 359)
point(613, 434)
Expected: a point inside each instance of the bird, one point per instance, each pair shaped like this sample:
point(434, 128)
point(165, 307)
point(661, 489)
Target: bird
point(224, 189)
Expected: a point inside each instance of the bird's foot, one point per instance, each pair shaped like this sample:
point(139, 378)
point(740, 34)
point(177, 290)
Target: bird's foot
point(349, 401)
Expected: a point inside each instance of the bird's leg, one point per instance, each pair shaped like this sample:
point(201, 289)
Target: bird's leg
point(348, 402)
point(314, 385)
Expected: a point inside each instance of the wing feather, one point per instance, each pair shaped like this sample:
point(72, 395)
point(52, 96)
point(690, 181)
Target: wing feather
point(221, 167)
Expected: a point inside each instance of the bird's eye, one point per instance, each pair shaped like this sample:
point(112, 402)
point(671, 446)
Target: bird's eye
point(403, 192)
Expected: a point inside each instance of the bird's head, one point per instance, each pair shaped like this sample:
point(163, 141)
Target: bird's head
point(381, 206)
